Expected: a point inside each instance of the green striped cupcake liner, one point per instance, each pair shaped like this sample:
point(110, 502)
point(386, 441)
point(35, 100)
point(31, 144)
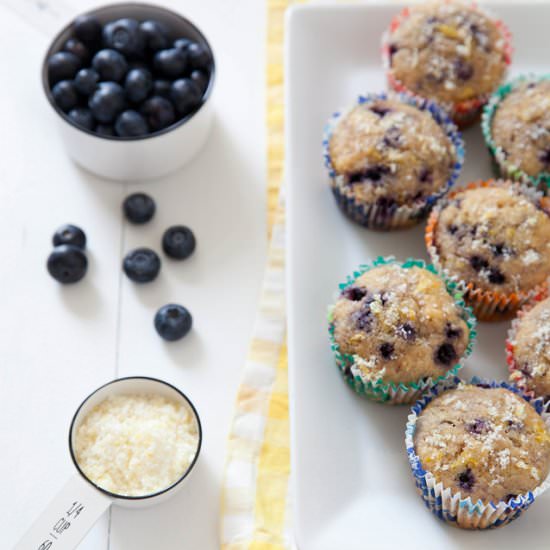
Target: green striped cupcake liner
point(390, 392)
point(504, 168)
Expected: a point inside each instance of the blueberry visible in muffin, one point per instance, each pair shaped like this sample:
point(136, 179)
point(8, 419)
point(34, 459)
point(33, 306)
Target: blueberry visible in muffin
point(495, 237)
point(400, 325)
point(489, 444)
point(448, 52)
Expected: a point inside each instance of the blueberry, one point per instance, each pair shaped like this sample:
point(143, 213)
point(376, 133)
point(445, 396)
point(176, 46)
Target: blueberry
point(478, 426)
point(182, 43)
point(380, 110)
point(199, 56)
point(69, 234)
point(77, 48)
point(386, 350)
point(110, 64)
point(463, 69)
point(392, 137)
point(526, 370)
point(354, 293)
point(466, 479)
point(407, 332)
point(67, 264)
point(496, 276)
point(373, 173)
point(138, 208)
point(515, 425)
point(82, 116)
point(141, 265)
point(171, 62)
point(131, 124)
point(185, 95)
point(200, 78)
point(86, 81)
point(498, 249)
point(425, 175)
point(62, 66)
point(107, 102)
point(156, 36)
point(363, 317)
point(510, 496)
point(105, 130)
point(138, 84)
point(158, 112)
point(173, 322)
point(178, 242)
point(452, 332)
point(162, 88)
point(393, 49)
point(544, 156)
point(452, 228)
point(87, 28)
point(445, 354)
point(64, 95)
point(478, 263)
point(125, 36)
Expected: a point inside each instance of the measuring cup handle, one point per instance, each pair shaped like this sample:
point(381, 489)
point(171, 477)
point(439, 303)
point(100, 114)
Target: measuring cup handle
point(67, 518)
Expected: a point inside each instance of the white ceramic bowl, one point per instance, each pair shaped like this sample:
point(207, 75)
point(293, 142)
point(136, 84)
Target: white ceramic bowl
point(134, 385)
point(139, 158)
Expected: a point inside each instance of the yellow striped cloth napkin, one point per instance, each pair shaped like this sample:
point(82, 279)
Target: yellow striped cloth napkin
point(255, 504)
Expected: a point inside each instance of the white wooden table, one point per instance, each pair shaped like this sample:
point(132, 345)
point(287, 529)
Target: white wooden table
point(58, 344)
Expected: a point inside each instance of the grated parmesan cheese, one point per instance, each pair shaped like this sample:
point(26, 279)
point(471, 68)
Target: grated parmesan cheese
point(136, 445)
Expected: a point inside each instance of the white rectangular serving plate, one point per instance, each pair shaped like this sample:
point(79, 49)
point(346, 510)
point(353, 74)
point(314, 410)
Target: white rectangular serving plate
point(351, 482)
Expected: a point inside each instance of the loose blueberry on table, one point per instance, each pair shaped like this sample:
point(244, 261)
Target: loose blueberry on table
point(178, 242)
point(141, 265)
point(138, 208)
point(69, 234)
point(127, 78)
point(67, 263)
point(173, 322)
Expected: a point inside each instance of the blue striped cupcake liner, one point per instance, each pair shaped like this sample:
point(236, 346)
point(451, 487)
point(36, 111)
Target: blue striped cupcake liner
point(449, 506)
point(502, 166)
point(389, 392)
point(381, 215)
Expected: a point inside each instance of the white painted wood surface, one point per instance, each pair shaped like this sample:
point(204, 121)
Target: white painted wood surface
point(58, 344)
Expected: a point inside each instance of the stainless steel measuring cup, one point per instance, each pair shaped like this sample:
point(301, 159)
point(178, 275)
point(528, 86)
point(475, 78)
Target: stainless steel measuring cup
point(80, 503)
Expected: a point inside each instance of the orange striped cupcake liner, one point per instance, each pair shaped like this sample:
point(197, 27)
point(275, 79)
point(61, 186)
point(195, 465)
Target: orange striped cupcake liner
point(487, 305)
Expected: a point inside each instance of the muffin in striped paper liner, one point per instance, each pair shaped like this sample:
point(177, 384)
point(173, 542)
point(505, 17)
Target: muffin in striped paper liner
point(398, 328)
point(492, 242)
point(450, 493)
point(513, 123)
point(390, 157)
point(451, 52)
point(528, 348)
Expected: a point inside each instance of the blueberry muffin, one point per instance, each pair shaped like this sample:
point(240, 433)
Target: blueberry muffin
point(530, 350)
point(398, 325)
point(494, 238)
point(519, 129)
point(449, 52)
point(387, 154)
point(485, 443)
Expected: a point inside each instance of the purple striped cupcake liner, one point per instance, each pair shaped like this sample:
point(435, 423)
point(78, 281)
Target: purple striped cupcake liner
point(448, 505)
point(385, 214)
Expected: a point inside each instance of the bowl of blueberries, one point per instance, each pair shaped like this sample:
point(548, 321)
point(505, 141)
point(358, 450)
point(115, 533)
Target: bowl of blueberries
point(131, 86)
